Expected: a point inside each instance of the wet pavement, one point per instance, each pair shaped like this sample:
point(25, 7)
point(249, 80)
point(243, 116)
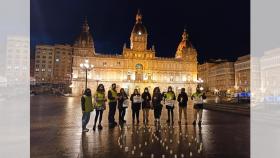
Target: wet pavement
point(56, 132)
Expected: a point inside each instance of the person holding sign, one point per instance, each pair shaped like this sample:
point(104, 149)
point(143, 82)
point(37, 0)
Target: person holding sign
point(169, 100)
point(183, 102)
point(99, 105)
point(146, 105)
point(198, 98)
point(122, 105)
point(136, 105)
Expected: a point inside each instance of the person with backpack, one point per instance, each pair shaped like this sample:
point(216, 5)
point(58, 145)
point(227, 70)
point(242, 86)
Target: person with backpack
point(122, 105)
point(99, 106)
point(198, 98)
point(183, 102)
point(146, 104)
point(169, 99)
point(157, 106)
point(87, 108)
point(136, 105)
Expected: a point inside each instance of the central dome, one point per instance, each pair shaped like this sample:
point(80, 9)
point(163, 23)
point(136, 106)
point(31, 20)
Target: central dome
point(139, 28)
point(85, 38)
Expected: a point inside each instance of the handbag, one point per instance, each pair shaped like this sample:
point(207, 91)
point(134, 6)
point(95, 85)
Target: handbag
point(125, 103)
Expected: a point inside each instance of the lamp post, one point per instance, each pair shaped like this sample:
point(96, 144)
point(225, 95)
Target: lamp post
point(86, 66)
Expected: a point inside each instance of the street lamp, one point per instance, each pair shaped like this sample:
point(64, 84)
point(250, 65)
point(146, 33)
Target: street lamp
point(86, 66)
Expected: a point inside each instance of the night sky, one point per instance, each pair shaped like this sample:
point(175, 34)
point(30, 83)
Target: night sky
point(217, 28)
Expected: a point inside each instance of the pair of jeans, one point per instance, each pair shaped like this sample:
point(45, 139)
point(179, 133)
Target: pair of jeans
point(99, 114)
point(183, 109)
point(135, 112)
point(112, 112)
point(121, 114)
point(85, 119)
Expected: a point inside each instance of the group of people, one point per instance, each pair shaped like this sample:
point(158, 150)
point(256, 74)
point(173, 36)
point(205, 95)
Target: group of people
point(144, 101)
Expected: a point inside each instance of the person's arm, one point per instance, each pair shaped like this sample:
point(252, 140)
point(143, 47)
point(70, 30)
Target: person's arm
point(149, 97)
point(131, 97)
point(83, 103)
point(179, 98)
point(187, 97)
point(174, 97)
point(203, 96)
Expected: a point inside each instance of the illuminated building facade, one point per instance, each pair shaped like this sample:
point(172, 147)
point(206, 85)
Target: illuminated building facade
point(137, 66)
point(242, 73)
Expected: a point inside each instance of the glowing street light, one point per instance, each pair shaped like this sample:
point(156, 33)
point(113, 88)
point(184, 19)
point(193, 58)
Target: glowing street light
point(86, 66)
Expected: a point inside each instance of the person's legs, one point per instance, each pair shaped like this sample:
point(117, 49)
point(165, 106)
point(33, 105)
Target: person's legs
point(110, 113)
point(194, 116)
point(180, 114)
point(133, 115)
point(137, 115)
point(114, 112)
point(123, 114)
point(200, 115)
point(96, 118)
point(185, 114)
point(120, 115)
point(172, 115)
point(168, 114)
point(144, 114)
point(85, 119)
point(147, 111)
point(100, 117)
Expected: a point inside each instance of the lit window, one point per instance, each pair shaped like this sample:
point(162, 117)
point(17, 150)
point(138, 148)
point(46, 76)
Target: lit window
point(57, 60)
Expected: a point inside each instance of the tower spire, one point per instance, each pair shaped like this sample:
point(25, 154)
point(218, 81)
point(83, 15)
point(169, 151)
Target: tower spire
point(138, 17)
point(85, 26)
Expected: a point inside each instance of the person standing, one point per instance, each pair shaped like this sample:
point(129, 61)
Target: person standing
point(113, 97)
point(122, 97)
point(169, 99)
point(99, 106)
point(198, 98)
point(157, 106)
point(146, 104)
point(87, 108)
point(183, 102)
point(136, 105)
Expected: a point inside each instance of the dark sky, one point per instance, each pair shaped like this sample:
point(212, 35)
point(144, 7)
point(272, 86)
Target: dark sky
point(217, 28)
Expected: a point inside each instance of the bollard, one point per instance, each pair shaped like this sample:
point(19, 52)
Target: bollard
point(152, 155)
point(182, 155)
point(175, 156)
point(171, 152)
point(163, 156)
point(190, 154)
point(132, 152)
point(141, 154)
point(126, 149)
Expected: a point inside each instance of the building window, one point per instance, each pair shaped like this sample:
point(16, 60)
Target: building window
point(104, 64)
point(43, 70)
point(118, 63)
point(36, 69)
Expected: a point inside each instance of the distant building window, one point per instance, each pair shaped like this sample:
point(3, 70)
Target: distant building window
point(36, 69)
point(57, 60)
point(104, 63)
point(118, 63)
point(43, 70)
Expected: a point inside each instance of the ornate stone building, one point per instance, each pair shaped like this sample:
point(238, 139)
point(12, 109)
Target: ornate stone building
point(242, 73)
point(136, 67)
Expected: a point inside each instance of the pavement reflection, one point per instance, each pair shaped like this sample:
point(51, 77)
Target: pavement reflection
point(56, 132)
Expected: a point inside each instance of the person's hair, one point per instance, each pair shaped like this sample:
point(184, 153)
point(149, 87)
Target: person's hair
point(146, 88)
point(156, 89)
point(122, 91)
point(169, 88)
point(183, 89)
point(87, 92)
point(135, 90)
point(99, 88)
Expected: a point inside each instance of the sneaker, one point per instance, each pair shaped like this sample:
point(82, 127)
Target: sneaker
point(179, 122)
point(85, 130)
point(115, 123)
point(186, 123)
point(93, 128)
point(100, 127)
point(124, 121)
point(194, 123)
point(199, 123)
point(138, 121)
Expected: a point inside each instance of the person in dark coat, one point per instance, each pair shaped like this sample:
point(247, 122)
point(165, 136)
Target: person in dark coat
point(157, 106)
point(122, 109)
point(136, 105)
point(183, 102)
point(146, 104)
